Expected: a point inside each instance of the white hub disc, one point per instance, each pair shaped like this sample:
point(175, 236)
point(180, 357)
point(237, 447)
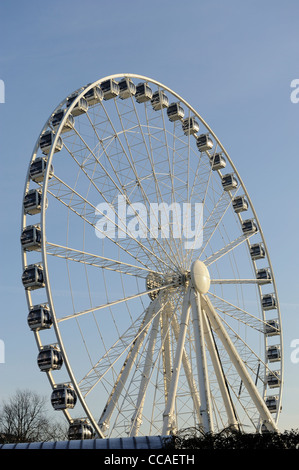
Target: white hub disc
point(200, 277)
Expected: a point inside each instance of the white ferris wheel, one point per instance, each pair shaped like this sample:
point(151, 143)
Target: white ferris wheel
point(149, 285)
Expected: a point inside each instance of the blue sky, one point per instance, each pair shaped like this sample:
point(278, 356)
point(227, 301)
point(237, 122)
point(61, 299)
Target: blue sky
point(232, 61)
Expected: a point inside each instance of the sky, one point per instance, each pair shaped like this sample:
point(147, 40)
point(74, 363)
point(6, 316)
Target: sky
point(233, 61)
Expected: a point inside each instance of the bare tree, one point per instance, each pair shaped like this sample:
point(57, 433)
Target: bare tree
point(23, 418)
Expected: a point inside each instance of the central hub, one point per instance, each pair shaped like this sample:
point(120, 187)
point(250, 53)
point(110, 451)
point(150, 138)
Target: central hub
point(200, 277)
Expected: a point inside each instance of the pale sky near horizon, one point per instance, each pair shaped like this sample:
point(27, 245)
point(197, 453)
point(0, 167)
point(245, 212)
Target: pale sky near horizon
point(232, 61)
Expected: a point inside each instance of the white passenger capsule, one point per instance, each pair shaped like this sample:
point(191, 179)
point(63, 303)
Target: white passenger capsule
point(80, 107)
point(46, 141)
point(143, 92)
point(38, 169)
point(217, 161)
point(110, 89)
point(257, 251)
point(204, 143)
point(229, 182)
point(269, 302)
point(49, 358)
point(63, 397)
point(272, 328)
point(240, 204)
point(175, 112)
point(58, 117)
point(33, 201)
point(80, 429)
point(273, 353)
point(31, 238)
point(94, 95)
point(33, 277)
point(159, 100)
point(126, 88)
point(39, 317)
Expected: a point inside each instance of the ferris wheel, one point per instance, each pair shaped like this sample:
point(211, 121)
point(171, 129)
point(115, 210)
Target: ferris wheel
point(149, 285)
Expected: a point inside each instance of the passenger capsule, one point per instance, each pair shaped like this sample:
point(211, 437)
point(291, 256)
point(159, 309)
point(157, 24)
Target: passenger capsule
point(264, 274)
point(63, 397)
point(273, 379)
point(190, 126)
point(110, 89)
point(80, 107)
point(159, 100)
point(204, 143)
point(126, 88)
point(58, 117)
point(94, 95)
point(272, 328)
point(175, 112)
point(80, 429)
point(31, 238)
point(257, 251)
point(229, 182)
point(217, 161)
point(269, 302)
point(46, 141)
point(33, 201)
point(249, 226)
point(273, 353)
point(39, 317)
point(272, 403)
point(33, 277)
point(143, 93)
point(38, 169)
point(240, 204)
point(49, 358)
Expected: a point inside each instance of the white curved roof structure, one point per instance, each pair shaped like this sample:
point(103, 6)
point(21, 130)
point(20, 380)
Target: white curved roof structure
point(142, 442)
